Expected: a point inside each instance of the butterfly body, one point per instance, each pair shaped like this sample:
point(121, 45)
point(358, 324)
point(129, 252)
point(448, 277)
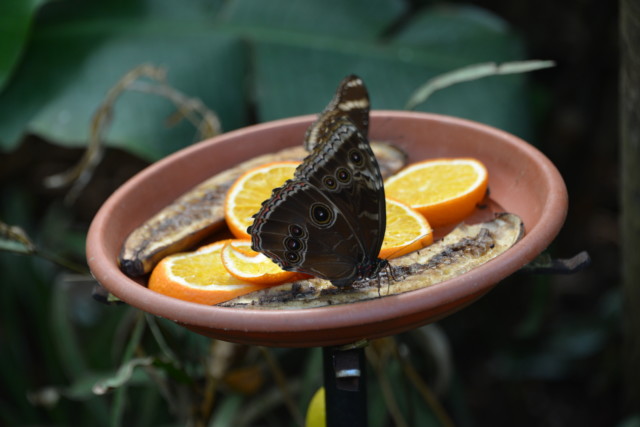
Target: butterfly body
point(329, 220)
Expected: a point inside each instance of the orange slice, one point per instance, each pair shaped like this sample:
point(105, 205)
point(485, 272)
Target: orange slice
point(407, 231)
point(246, 195)
point(198, 277)
point(244, 263)
point(445, 191)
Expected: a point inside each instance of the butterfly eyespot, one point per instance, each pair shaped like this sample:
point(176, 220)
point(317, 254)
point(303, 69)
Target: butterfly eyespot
point(292, 257)
point(296, 230)
point(329, 182)
point(292, 244)
point(343, 175)
point(356, 157)
point(321, 214)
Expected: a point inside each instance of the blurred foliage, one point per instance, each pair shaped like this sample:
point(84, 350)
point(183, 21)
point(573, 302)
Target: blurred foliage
point(243, 60)
point(68, 360)
point(15, 22)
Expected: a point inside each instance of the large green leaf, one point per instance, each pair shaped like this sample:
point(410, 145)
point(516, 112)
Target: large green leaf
point(211, 69)
point(74, 61)
point(434, 41)
point(288, 56)
point(301, 21)
point(15, 21)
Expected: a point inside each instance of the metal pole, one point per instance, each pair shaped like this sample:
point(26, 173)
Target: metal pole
point(345, 385)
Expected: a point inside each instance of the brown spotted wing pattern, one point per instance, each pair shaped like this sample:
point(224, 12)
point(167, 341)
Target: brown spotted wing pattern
point(330, 219)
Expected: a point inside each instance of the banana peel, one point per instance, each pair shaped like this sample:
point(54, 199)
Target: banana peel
point(464, 248)
point(200, 211)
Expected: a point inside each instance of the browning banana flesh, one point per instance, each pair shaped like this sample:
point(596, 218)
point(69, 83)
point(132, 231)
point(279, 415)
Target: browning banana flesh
point(463, 249)
point(200, 211)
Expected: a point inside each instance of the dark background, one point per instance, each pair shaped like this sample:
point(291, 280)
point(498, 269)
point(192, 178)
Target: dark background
point(579, 133)
point(537, 350)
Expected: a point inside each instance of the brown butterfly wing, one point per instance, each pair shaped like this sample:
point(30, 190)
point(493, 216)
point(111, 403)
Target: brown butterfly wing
point(351, 100)
point(329, 220)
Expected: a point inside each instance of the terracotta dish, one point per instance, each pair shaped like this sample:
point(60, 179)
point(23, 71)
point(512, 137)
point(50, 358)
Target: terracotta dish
point(522, 181)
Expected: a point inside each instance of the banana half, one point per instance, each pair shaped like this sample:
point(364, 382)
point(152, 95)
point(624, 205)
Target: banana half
point(200, 211)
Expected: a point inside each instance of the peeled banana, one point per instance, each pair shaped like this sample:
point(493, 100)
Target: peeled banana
point(200, 211)
point(464, 248)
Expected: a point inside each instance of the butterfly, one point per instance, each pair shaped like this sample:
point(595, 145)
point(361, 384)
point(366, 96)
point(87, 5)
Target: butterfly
point(329, 219)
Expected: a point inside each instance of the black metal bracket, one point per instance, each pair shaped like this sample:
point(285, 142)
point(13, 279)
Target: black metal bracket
point(345, 385)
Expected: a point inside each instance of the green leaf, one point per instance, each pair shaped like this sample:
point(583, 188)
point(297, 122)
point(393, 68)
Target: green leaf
point(69, 346)
point(290, 55)
point(88, 68)
point(15, 22)
point(301, 20)
point(227, 411)
point(86, 53)
point(433, 42)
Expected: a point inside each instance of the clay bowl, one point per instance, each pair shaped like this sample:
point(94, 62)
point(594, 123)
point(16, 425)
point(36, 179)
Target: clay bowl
point(522, 181)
